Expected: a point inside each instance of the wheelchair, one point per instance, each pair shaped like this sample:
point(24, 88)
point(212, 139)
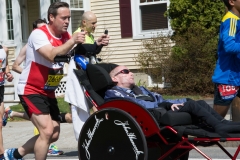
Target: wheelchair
point(124, 130)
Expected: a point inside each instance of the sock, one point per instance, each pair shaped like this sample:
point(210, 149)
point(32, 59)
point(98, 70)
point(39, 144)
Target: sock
point(62, 119)
point(16, 154)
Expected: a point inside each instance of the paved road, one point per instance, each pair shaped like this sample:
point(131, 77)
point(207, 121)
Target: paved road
point(16, 134)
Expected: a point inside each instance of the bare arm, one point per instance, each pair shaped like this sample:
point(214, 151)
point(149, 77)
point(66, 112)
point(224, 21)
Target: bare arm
point(7, 71)
point(7, 67)
point(20, 58)
point(103, 40)
point(49, 52)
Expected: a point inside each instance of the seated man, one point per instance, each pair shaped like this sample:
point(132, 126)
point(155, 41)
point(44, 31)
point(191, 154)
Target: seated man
point(126, 88)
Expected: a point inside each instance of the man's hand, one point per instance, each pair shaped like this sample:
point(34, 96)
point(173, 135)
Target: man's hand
point(79, 37)
point(175, 106)
point(103, 40)
point(9, 77)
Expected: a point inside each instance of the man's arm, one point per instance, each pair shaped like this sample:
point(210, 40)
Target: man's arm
point(7, 70)
point(20, 58)
point(227, 36)
point(49, 52)
point(101, 41)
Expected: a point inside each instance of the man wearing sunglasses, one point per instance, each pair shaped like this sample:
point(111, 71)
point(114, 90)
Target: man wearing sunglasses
point(126, 88)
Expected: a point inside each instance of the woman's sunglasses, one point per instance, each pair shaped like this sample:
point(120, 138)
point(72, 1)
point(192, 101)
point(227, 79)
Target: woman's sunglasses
point(124, 71)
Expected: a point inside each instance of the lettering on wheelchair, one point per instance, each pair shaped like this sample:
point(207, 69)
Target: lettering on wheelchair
point(90, 136)
point(131, 136)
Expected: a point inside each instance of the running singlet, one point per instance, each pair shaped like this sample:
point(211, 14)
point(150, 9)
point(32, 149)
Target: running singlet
point(3, 56)
point(41, 76)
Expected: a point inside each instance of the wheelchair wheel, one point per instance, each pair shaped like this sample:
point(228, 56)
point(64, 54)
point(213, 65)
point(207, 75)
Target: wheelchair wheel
point(112, 134)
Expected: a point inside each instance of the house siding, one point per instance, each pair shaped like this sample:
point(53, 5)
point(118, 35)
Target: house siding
point(120, 50)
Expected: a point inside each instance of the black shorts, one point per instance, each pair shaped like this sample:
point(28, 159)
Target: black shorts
point(1, 94)
point(39, 104)
point(218, 99)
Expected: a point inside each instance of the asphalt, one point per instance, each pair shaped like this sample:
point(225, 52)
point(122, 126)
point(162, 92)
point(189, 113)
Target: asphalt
point(15, 134)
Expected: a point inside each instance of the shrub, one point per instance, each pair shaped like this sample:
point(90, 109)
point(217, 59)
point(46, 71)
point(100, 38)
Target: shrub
point(196, 27)
point(189, 64)
point(153, 55)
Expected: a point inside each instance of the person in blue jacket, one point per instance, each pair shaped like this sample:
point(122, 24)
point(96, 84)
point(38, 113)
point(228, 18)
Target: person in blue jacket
point(226, 75)
point(125, 88)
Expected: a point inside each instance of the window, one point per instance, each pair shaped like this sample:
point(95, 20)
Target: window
point(77, 8)
point(9, 20)
point(148, 18)
point(52, 1)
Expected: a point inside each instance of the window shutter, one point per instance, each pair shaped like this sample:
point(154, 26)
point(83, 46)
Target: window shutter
point(125, 18)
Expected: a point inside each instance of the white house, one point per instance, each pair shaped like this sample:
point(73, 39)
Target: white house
point(127, 21)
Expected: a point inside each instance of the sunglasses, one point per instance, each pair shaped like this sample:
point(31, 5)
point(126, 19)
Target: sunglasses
point(124, 71)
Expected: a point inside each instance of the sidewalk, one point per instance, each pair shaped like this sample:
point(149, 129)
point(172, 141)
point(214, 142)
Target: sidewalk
point(15, 134)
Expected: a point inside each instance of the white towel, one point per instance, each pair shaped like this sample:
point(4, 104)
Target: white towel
point(75, 96)
point(79, 117)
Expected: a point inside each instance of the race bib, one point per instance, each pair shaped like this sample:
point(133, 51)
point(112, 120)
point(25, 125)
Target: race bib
point(54, 78)
point(228, 92)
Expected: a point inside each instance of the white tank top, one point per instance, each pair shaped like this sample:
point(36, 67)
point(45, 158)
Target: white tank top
point(41, 76)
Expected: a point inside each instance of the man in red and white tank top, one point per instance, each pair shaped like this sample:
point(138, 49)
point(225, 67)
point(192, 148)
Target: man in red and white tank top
point(40, 78)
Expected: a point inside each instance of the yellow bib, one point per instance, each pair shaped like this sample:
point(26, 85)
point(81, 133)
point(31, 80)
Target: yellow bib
point(35, 131)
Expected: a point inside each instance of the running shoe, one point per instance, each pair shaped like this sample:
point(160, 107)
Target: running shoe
point(9, 111)
point(5, 117)
point(8, 154)
point(54, 151)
